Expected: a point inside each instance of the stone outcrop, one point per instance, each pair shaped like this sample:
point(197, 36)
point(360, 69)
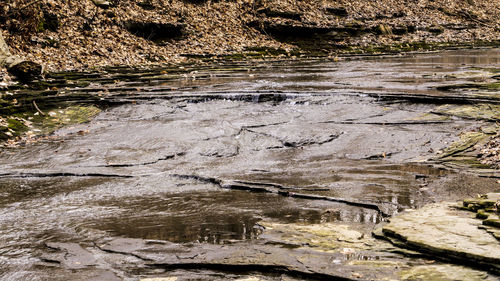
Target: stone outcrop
point(22, 69)
point(486, 208)
point(6, 58)
point(444, 232)
point(312, 252)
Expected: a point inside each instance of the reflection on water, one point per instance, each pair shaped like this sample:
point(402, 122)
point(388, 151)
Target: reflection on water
point(372, 181)
point(207, 228)
point(215, 217)
point(458, 58)
point(12, 191)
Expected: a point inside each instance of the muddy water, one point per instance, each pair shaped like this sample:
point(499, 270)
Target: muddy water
point(219, 155)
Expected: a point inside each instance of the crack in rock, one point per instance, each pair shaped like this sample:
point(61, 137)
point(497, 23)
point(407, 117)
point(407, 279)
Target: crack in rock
point(283, 191)
point(168, 157)
point(296, 144)
point(61, 174)
point(264, 268)
point(71, 256)
point(387, 123)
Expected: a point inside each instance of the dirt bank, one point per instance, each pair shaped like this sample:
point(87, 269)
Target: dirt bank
point(65, 35)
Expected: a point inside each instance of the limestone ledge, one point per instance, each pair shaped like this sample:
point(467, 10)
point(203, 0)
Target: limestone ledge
point(445, 232)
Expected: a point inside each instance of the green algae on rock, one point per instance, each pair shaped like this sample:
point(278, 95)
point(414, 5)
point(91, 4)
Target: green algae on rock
point(27, 126)
point(57, 118)
point(466, 142)
point(486, 209)
point(465, 152)
point(489, 112)
point(470, 86)
point(443, 273)
point(484, 202)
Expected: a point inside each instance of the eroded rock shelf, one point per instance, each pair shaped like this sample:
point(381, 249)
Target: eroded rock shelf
point(271, 171)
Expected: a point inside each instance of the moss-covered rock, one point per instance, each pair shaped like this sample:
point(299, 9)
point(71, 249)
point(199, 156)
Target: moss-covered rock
point(56, 118)
point(492, 222)
point(443, 273)
point(467, 141)
point(40, 124)
point(484, 203)
point(16, 126)
point(482, 214)
point(3, 133)
point(490, 112)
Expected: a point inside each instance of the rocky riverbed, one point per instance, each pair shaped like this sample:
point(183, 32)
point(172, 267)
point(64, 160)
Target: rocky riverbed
point(253, 171)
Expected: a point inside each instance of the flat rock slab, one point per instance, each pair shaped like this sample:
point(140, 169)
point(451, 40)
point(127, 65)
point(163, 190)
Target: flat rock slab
point(299, 251)
point(444, 231)
point(70, 255)
point(234, 257)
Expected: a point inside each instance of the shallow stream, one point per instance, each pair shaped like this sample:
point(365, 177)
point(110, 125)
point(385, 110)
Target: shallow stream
point(246, 158)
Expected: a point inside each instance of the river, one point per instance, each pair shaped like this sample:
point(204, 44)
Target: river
point(265, 170)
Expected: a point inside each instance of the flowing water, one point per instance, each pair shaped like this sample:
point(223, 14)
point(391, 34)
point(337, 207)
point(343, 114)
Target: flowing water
point(210, 158)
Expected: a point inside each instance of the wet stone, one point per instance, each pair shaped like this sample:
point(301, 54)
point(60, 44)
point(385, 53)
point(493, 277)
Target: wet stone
point(317, 252)
point(444, 273)
point(272, 171)
point(71, 256)
point(26, 70)
point(442, 231)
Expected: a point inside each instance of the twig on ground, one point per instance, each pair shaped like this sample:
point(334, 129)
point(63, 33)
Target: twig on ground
point(38, 109)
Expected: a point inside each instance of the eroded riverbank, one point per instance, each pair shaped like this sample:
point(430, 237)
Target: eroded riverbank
point(273, 171)
point(92, 34)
